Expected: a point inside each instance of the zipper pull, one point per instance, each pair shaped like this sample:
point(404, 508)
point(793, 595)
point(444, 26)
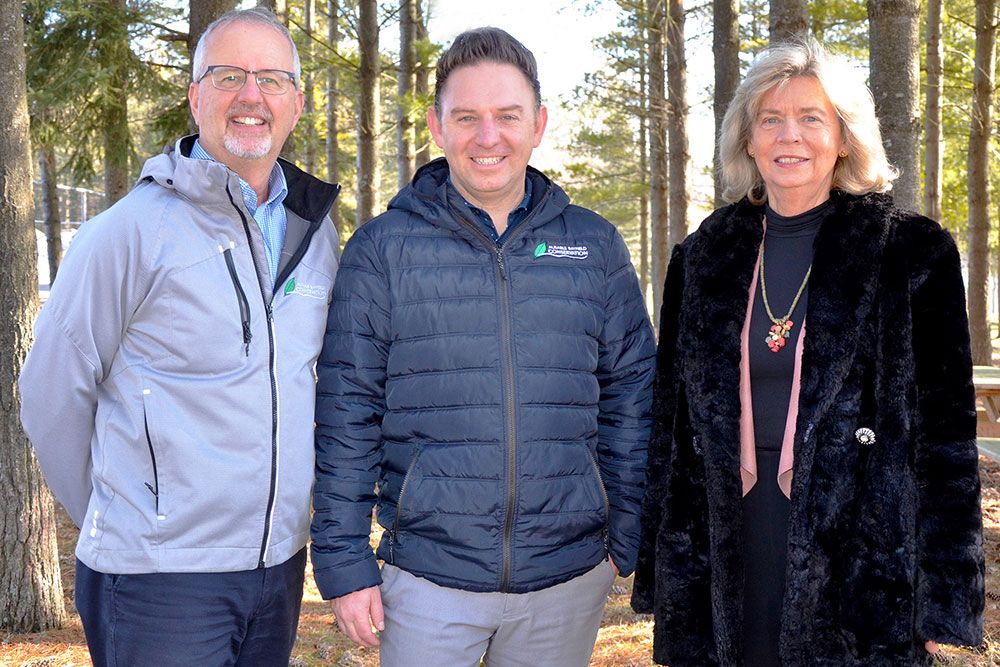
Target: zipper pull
point(392, 541)
point(503, 267)
point(270, 312)
point(247, 335)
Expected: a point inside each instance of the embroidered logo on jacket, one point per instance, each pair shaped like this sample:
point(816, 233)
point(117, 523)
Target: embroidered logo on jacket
point(309, 291)
point(553, 250)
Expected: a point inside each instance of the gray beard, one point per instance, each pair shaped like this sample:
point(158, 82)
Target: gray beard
point(247, 150)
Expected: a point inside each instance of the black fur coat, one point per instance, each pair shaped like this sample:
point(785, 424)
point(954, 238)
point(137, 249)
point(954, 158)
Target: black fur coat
point(884, 539)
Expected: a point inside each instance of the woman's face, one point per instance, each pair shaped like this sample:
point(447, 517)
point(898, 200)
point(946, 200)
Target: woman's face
point(795, 143)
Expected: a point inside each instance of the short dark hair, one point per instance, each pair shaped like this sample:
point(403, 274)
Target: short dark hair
point(486, 44)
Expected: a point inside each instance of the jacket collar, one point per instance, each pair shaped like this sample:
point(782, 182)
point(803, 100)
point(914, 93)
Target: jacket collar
point(430, 197)
point(719, 262)
point(206, 181)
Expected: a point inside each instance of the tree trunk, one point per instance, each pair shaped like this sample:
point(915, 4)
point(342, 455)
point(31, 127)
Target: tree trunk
point(934, 149)
point(405, 158)
point(332, 101)
point(894, 64)
point(726, 49)
point(677, 123)
point(787, 19)
point(307, 124)
point(979, 181)
point(658, 209)
point(421, 88)
point(368, 116)
point(201, 13)
point(53, 219)
point(643, 157)
point(113, 52)
point(30, 589)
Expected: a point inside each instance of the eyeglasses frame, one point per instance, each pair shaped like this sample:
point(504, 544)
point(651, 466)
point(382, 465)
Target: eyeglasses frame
point(247, 73)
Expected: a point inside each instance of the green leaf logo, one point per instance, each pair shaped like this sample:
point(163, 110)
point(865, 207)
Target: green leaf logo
point(541, 248)
point(290, 286)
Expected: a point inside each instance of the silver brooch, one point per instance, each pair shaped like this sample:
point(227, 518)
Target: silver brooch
point(865, 436)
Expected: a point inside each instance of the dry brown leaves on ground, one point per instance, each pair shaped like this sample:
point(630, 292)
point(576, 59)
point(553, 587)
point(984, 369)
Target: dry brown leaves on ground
point(625, 639)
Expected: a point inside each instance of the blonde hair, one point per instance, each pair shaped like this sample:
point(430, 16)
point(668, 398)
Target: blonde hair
point(865, 169)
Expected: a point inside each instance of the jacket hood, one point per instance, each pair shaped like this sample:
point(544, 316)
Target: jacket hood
point(205, 182)
point(428, 197)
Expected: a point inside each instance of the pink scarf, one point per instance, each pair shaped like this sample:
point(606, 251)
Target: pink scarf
point(748, 452)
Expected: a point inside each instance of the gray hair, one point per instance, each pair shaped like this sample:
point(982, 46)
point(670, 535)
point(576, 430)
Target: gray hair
point(257, 15)
point(865, 169)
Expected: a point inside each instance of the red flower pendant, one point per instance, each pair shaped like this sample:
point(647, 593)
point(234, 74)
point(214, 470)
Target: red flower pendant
point(778, 335)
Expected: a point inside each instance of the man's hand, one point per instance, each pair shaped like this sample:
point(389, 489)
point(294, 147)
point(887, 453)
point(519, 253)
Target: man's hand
point(357, 612)
point(932, 647)
point(613, 566)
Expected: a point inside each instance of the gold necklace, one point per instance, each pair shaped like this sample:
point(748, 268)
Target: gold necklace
point(781, 327)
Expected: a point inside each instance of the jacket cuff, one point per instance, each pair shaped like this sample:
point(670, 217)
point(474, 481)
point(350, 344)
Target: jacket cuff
point(337, 580)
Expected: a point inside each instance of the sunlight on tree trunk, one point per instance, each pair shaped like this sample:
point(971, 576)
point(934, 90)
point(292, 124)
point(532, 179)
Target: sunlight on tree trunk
point(980, 130)
point(677, 123)
point(307, 123)
point(787, 19)
point(113, 52)
point(368, 113)
point(421, 85)
point(726, 49)
point(332, 102)
point(934, 149)
point(658, 207)
point(53, 223)
point(894, 32)
point(30, 589)
point(405, 158)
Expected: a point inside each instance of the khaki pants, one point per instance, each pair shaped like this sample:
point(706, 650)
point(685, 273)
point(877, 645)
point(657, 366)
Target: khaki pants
point(427, 625)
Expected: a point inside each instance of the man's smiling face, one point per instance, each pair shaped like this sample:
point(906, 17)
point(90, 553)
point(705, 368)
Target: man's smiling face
point(245, 125)
point(489, 123)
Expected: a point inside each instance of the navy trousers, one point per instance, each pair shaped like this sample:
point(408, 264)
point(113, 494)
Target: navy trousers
point(212, 619)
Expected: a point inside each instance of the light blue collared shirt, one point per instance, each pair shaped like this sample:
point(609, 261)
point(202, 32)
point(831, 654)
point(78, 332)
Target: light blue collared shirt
point(270, 215)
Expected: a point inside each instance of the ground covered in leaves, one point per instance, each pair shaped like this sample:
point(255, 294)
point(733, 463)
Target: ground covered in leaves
point(625, 639)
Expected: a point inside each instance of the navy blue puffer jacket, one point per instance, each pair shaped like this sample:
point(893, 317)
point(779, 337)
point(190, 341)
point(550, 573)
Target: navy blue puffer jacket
point(497, 397)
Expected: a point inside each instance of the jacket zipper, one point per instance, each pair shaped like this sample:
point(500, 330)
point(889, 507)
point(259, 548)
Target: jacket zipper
point(275, 412)
point(607, 503)
point(507, 355)
point(154, 488)
point(399, 504)
point(507, 352)
point(241, 296)
point(268, 514)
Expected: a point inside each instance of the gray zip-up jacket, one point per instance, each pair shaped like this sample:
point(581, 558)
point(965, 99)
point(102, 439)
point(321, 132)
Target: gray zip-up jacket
point(170, 391)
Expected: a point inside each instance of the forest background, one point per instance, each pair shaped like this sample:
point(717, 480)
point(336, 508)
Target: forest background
point(89, 90)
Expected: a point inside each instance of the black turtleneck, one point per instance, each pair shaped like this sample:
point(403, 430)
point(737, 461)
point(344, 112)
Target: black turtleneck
point(788, 253)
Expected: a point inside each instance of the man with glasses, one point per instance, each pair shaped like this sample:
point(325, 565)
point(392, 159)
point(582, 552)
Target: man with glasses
point(170, 390)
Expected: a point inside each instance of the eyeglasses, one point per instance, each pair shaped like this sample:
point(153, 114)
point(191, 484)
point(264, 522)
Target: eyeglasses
point(231, 78)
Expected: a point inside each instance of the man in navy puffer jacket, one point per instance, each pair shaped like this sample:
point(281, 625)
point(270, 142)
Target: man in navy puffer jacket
point(487, 368)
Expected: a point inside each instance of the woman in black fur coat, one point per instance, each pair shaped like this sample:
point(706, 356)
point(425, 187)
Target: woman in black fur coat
point(813, 489)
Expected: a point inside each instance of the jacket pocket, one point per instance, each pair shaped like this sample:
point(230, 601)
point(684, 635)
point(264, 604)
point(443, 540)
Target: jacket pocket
point(394, 533)
point(241, 297)
point(604, 498)
point(154, 484)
